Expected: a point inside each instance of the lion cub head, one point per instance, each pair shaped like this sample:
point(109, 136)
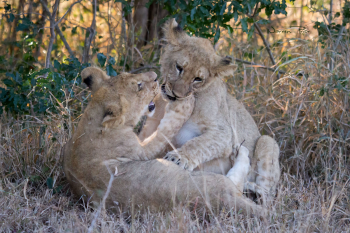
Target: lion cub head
point(119, 100)
point(189, 64)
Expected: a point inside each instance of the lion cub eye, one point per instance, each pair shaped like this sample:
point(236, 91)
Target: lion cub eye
point(179, 68)
point(197, 80)
point(139, 86)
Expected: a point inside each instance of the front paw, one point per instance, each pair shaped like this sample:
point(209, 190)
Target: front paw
point(175, 157)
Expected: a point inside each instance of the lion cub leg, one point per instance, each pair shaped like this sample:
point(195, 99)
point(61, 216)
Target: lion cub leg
point(239, 172)
point(267, 168)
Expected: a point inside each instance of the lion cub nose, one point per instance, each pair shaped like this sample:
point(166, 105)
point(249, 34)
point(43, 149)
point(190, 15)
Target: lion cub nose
point(151, 76)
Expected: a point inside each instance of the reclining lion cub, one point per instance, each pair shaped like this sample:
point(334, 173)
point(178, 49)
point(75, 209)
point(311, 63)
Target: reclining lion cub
point(105, 137)
point(191, 65)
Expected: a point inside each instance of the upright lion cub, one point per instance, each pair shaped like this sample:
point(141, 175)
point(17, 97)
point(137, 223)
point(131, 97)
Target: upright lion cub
point(190, 66)
point(104, 143)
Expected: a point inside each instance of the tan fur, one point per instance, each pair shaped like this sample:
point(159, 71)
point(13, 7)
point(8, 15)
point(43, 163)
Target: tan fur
point(105, 138)
point(153, 121)
point(219, 119)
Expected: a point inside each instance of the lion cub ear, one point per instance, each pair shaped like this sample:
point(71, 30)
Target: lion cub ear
point(93, 77)
point(224, 67)
point(173, 33)
point(114, 114)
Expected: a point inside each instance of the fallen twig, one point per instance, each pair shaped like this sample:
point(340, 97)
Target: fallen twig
point(258, 66)
point(267, 45)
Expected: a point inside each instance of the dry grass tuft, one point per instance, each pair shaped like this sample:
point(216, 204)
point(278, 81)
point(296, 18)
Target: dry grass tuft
point(307, 111)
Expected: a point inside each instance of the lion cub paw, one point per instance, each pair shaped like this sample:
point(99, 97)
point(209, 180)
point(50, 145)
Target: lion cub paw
point(239, 172)
point(178, 159)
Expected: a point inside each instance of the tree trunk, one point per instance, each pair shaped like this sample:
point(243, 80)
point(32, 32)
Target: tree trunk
point(147, 20)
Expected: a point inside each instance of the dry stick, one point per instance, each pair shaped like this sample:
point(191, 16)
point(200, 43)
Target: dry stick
point(91, 30)
point(52, 32)
point(335, 47)
point(259, 66)
point(57, 29)
point(267, 45)
point(336, 43)
point(255, 10)
point(70, 8)
point(125, 39)
point(102, 204)
point(41, 33)
point(330, 22)
point(12, 37)
point(70, 51)
point(110, 27)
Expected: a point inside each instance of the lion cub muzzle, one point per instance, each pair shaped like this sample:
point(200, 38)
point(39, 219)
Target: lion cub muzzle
point(170, 94)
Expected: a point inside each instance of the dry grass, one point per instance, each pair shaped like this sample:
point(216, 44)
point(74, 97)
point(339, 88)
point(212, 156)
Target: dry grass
point(306, 111)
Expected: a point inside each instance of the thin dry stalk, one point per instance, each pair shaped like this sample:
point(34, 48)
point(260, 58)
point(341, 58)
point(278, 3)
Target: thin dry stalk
point(90, 35)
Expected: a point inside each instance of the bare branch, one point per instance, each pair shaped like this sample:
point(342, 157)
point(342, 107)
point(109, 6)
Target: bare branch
point(43, 3)
point(258, 66)
point(70, 8)
point(267, 45)
point(71, 53)
point(103, 202)
point(90, 34)
point(125, 40)
point(255, 10)
point(53, 35)
point(52, 18)
point(339, 37)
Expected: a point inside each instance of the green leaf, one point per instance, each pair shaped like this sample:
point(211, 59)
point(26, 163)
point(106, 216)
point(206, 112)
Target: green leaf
point(101, 58)
point(7, 7)
point(33, 82)
point(49, 182)
point(263, 21)
point(251, 32)
point(22, 27)
point(205, 11)
point(111, 60)
point(235, 16)
point(110, 71)
point(74, 30)
point(57, 65)
point(191, 27)
point(223, 8)
point(8, 82)
point(58, 189)
point(193, 11)
point(10, 18)
point(244, 24)
point(322, 91)
point(217, 35)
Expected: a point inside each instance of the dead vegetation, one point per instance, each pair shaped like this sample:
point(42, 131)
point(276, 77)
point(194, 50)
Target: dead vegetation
point(307, 111)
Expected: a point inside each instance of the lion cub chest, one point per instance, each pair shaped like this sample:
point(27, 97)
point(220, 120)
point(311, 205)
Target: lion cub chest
point(188, 131)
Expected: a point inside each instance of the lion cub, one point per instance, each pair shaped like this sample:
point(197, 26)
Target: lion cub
point(104, 146)
point(191, 66)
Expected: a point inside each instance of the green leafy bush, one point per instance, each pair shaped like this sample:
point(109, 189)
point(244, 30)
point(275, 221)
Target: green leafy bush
point(204, 18)
point(30, 89)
